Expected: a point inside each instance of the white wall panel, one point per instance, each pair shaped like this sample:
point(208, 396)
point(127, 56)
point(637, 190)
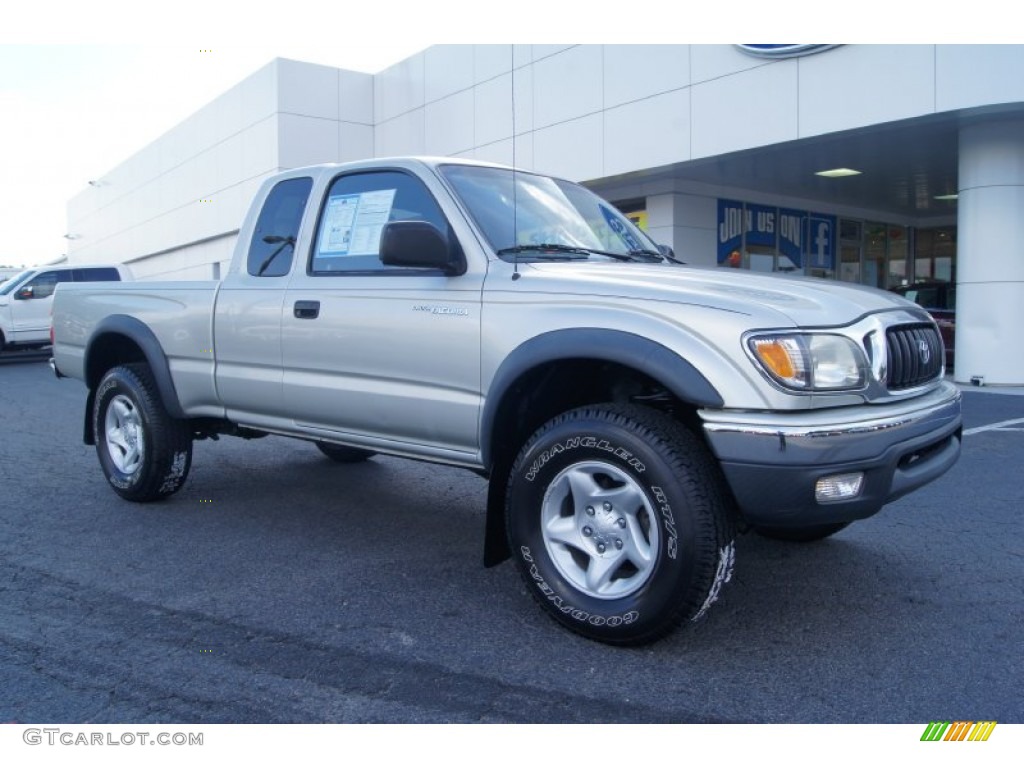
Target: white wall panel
point(490, 61)
point(543, 51)
point(492, 109)
point(259, 93)
point(398, 89)
point(647, 133)
point(307, 89)
point(524, 155)
point(403, 135)
point(448, 124)
point(567, 85)
point(522, 55)
point(259, 147)
point(571, 149)
point(355, 142)
point(710, 62)
point(306, 140)
point(856, 85)
point(750, 109)
point(524, 97)
point(355, 97)
point(447, 69)
point(498, 152)
point(227, 116)
point(633, 72)
point(975, 75)
point(230, 209)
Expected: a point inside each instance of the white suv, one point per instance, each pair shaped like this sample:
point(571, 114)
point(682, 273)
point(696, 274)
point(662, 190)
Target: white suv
point(26, 298)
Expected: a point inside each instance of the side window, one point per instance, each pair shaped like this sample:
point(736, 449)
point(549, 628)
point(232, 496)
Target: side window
point(277, 228)
point(42, 285)
point(95, 274)
point(357, 208)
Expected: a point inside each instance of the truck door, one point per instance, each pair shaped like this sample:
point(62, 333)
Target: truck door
point(247, 325)
point(382, 355)
point(30, 306)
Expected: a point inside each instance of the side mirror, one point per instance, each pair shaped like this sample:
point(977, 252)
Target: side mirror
point(422, 245)
point(26, 293)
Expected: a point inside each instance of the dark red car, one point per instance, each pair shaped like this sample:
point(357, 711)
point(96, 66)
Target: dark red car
point(939, 298)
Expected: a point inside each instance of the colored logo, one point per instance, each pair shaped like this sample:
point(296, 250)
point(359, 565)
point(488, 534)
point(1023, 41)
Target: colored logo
point(782, 50)
point(961, 730)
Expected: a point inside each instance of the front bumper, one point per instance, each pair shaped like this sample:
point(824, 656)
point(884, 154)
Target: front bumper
point(772, 461)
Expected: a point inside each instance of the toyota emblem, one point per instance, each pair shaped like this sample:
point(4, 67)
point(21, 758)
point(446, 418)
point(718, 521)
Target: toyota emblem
point(924, 352)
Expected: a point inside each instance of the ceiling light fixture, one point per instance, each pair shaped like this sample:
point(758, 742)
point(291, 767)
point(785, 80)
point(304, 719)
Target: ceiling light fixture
point(953, 196)
point(835, 173)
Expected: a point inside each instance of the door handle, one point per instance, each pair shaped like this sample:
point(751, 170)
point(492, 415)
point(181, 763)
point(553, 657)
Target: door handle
point(307, 310)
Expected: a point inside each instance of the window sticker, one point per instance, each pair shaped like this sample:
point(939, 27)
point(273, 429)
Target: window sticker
point(353, 223)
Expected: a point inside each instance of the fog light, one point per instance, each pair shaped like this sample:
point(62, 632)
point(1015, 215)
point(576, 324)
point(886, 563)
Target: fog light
point(839, 487)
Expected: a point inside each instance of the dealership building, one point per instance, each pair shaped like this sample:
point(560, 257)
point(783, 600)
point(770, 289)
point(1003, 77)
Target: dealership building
point(882, 165)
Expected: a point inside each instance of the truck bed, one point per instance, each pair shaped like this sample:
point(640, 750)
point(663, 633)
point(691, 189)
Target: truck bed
point(180, 314)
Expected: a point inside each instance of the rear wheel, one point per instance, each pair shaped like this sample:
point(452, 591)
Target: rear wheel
point(618, 522)
point(343, 454)
point(802, 534)
point(144, 452)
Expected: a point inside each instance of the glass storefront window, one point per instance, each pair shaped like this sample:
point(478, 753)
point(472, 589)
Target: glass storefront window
point(767, 239)
point(873, 253)
point(935, 254)
point(898, 250)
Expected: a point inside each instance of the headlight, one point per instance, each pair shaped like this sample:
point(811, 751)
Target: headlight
point(810, 361)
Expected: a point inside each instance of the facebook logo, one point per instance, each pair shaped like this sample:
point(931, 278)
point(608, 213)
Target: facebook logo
point(821, 241)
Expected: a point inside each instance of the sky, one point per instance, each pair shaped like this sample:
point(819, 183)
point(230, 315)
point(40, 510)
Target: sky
point(70, 113)
point(83, 86)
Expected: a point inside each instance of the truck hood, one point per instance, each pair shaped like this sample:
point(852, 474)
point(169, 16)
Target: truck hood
point(803, 301)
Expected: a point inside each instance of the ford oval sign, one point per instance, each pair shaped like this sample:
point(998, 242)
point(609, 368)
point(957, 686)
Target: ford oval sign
point(782, 50)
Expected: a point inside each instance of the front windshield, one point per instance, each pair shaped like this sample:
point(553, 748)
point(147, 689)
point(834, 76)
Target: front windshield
point(9, 285)
point(518, 211)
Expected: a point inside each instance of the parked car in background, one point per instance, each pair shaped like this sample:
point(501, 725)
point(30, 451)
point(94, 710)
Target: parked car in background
point(939, 298)
point(26, 299)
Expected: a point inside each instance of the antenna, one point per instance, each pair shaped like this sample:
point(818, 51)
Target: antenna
point(515, 198)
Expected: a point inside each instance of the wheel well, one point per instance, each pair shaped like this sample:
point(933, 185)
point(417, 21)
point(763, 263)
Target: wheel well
point(552, 388)
point(106, 352)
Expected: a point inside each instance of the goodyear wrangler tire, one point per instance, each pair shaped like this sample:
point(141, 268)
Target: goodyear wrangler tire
point(618, 522)
point(144, 452)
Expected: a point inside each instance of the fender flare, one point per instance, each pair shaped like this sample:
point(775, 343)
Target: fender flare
point(609, 345)
point(143, 337)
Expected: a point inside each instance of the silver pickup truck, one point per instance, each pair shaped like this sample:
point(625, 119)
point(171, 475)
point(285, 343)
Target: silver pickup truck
point(632, 414)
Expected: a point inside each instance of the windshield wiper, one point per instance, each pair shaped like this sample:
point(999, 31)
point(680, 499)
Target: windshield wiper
point(634, 255)
point(553, 251)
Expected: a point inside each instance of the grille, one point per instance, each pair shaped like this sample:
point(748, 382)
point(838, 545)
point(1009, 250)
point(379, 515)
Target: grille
point(914, 355)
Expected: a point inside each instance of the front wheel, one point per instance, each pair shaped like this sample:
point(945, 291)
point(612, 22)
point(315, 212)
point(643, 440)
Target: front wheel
point(618, 522)
point(144, 452)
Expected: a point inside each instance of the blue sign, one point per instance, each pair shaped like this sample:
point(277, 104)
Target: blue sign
point(821, 241)
point(761, 225)
point(791, 238)
point(730, 232)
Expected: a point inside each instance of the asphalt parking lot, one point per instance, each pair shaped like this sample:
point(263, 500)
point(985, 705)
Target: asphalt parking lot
point(280, 587)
